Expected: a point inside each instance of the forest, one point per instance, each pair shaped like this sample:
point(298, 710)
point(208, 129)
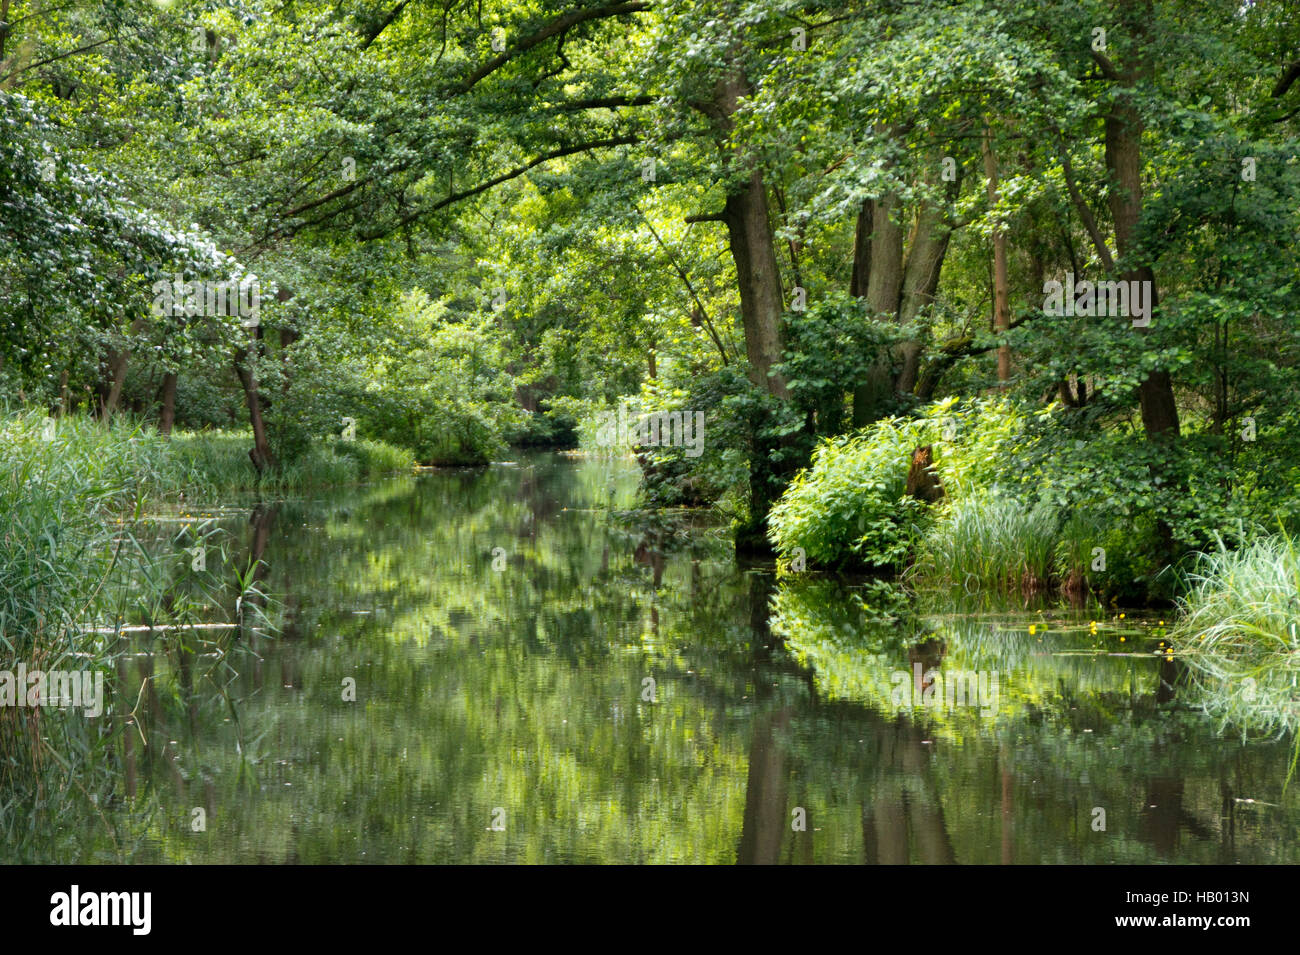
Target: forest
point(841, 412)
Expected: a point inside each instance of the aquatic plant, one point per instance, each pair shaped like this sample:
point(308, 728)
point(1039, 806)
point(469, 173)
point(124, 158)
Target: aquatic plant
point(1240, 634)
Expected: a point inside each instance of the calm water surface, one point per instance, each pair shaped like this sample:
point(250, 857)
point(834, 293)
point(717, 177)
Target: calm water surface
point(539, 680)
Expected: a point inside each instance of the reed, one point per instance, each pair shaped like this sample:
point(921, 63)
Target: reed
point(989, 544)
point(1239, 633)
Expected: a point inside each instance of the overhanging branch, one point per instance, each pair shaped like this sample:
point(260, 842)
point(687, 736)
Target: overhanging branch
point(1290, 76)
point(482, 187)
point(555, 27)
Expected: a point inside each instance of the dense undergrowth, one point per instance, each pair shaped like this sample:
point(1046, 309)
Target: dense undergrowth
point(1026, 508)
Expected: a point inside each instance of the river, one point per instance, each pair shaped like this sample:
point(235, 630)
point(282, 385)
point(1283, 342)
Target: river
point(504, 665)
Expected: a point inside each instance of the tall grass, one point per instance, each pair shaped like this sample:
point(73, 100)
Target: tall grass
point(78, 559)
point(989, 544)
point(209, 464)
point(61, 497)
point(68, 497)
point(1240, 634)
point(72, 490)
point(73, 568)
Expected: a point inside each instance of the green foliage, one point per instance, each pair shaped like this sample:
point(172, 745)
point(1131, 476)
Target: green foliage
point(544, 429)
point(831, 343)
point(436, 385)
point(447, 236)
point(850, 505)
point(1199, 488)
point(75, 254)
point(724, 406)
point(1136, 571)
point(1075, 551)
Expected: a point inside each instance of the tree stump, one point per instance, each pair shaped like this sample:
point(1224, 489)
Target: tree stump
point(922, 482)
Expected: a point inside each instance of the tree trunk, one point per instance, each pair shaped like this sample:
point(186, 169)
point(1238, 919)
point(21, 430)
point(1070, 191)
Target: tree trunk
point(168, 417)
point(1001, 294)
point(1124, 163)
point(896, 289)
point(885, 283)
point(260, 453)
point(861, 251)
point(117, 362)
point(926, 251)
point(754, 251)
point(868, 394)
point(882, 286)
point(927, 248)
point(117, 378)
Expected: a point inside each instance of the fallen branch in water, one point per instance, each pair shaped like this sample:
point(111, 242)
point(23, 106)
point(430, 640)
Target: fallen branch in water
point(170, 626)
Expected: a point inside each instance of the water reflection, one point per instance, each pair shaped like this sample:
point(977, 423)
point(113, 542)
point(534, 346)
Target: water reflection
point(541, 678)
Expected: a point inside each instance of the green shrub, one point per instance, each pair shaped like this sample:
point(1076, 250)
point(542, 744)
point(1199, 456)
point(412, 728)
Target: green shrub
point(1129, 485)
point(1135, 569)
point(1118, 562)
point(544, 429)
point(849, 506)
